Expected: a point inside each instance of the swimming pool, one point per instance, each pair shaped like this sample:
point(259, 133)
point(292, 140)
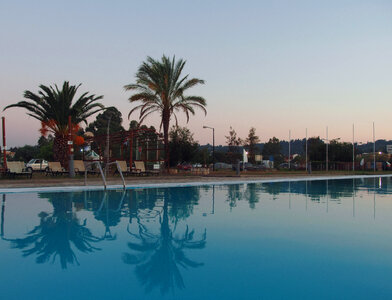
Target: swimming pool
point(306, 239)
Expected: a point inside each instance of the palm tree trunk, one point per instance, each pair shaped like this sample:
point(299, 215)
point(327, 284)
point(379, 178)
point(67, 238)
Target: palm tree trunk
point(60, 150)
point(166, 121)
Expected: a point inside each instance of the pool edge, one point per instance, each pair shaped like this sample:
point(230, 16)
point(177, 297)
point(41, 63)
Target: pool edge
point(177, 184)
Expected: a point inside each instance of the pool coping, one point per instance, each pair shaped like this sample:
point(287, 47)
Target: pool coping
point(177, 184)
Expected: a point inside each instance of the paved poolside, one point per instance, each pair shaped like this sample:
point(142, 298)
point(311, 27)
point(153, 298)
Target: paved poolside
point(41, 182)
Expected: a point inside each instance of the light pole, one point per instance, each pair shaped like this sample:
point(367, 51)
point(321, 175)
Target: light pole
point(326, 157)
point(213, 146)
point(353, 150)
point(374, 149)
point(289, 148)
point(306, 150)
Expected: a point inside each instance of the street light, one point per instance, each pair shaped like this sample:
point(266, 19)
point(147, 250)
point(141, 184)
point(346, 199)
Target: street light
point(289, 148)
point(353, 150)
point(213, 146)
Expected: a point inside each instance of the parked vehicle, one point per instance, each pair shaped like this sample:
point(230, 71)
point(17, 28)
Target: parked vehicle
point(184, 166)
point(248, 166)
point(293, 166)
point(221, 165)
point(37, 164)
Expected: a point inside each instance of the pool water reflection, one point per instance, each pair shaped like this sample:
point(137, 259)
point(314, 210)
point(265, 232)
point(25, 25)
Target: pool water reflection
point(314, 239)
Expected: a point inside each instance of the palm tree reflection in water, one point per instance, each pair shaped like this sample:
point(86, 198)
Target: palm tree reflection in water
point(56, 234)
point(159, 255)
point(109, 212)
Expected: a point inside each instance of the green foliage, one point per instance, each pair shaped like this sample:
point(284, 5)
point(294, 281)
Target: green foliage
point(160, 88)
point(25, 153)
point(133, 125)
point(45, 148)
point(183, 148)
point(340, 151)
point(316, 149)
point(52, 104)
point(99, 126)
point(53, 107)
point(273, 148)
point(233, 141)
point(250, 144)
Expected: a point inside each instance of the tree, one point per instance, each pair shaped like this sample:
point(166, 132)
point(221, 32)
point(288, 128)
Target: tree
point(340, 151)
point(273, 148)
point(161, 89)
point(45, 147)
point(99, 126)
point(52, 107)
point(250, 143)
point(182, 145)
point(316, 149)
point(25, 153)
point(133, 125)
point(233, 142)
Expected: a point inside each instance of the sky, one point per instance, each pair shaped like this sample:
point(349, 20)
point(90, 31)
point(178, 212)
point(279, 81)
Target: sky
point(273, 65)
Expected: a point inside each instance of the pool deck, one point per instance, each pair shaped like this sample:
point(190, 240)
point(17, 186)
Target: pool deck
point(41, 183)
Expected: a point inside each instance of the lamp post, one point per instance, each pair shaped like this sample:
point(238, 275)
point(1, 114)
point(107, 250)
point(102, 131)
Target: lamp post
point(326, 157)
point(306, 149)
point(353, 150)
point(213, 146)
point(374, 149)
point(289, 149)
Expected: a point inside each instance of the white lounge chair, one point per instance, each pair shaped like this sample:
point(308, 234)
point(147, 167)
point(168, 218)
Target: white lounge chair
point(15, 168)
point(55, 168)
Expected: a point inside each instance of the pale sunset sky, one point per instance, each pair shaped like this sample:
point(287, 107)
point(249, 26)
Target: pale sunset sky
point(274, 65)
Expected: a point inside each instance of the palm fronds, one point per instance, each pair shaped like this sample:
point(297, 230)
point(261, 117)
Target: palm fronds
point(52, 104)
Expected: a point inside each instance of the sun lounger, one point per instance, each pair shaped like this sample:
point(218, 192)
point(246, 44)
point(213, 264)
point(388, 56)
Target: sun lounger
point(79, 167)
point(123, 167)
point(139, 165)
point(139, 168)
point(15, 168)
point(55, 168)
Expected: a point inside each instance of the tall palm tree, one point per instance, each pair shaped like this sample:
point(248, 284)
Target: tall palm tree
point(53, 106)
point(160, 88)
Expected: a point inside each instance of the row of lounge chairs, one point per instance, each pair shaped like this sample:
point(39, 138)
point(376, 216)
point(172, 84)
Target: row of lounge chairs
point(55, 168)
point(17, 168)
point(139, 169)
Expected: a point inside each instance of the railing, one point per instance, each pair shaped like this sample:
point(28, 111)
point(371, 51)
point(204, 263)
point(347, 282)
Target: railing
point(118, 169)
point(100, 170)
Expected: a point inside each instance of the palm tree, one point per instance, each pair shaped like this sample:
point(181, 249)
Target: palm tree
point(160, 88)
point(159, 256)
point(52, 107)
point(57, 234)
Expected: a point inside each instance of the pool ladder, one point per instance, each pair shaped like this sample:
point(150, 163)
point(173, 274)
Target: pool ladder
point(102, 173)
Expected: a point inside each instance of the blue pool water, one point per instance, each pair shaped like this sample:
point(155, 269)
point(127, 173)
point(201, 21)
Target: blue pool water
point(307, 240)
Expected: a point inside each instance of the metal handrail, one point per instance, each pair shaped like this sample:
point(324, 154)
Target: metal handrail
point(118, 169)
point(100, 170)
